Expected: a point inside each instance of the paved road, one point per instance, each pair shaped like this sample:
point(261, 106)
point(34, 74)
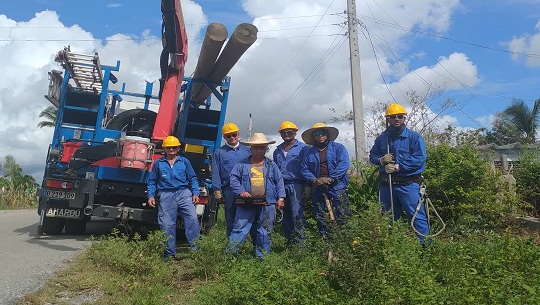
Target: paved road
point(26, 261)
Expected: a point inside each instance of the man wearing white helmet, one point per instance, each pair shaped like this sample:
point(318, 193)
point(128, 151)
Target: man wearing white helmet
point(325, 167)
point(288, 156)
point(401, 155)
point(223, 160)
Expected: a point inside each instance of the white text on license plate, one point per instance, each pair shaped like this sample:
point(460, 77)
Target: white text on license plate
point(60, 194)
point(63, 213)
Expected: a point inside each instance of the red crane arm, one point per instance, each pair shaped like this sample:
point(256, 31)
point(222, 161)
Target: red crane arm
point(172, 63)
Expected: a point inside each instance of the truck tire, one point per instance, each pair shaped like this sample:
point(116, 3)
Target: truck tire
point(136, 121)
point(52, 226)
point(75, 226)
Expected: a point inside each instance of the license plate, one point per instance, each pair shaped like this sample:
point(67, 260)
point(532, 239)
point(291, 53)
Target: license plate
point(63, 213)
point(60, 194)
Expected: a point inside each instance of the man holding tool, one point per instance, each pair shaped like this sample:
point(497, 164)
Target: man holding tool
point(325, 166)
point(401, 155)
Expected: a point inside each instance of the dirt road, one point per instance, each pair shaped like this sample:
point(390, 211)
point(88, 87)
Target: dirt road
point(26, 261)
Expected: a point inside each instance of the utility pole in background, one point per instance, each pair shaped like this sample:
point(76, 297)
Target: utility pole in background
point(356, 84)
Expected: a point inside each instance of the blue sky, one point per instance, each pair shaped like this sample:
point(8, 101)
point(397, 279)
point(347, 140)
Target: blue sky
point(298, 68)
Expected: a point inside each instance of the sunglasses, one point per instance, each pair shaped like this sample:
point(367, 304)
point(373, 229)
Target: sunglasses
point(393, 117)
point(320, 133)
point(172, 148)
point(232, 135)
point(287, 132)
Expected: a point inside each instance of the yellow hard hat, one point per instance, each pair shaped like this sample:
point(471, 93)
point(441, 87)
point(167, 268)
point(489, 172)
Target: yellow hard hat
point(395, 109)
point(229, 127)
point(287, 125)
point(170, 141)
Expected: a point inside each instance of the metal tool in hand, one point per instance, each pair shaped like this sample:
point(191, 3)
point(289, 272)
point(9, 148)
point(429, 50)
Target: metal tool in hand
point(390, 183)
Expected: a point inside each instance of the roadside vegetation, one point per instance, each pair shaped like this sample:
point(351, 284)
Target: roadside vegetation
point(484, 257)
point(17, 190)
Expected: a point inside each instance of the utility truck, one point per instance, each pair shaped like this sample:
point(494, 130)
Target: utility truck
point(101, 153)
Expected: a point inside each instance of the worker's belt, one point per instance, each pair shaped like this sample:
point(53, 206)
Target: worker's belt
point(400, 180)
point(252, 201)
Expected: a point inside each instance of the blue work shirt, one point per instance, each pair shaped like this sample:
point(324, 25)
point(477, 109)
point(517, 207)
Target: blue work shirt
point(273, 181)
point(223, 160)
point(409, 151)
point(290, 165)
point(163, 177)
point(338, 161)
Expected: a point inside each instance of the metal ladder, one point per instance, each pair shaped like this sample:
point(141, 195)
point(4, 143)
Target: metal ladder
point(85, 70)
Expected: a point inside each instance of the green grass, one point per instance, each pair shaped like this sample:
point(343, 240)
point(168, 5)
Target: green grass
point(376, 264)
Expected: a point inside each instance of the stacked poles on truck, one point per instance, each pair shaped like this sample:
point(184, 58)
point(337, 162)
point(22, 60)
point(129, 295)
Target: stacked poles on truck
point(215, 37)
point(241, 39)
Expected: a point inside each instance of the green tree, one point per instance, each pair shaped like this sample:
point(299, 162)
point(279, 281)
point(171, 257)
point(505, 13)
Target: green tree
point(516, 124)
point(50, 114)
point(13, 176)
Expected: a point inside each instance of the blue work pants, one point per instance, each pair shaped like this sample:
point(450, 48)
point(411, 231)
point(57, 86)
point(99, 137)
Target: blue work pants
point(172, 203)
point(257, 220)
point(230, 209)
point(339, 200)
point(405, 197)
point(293, 214)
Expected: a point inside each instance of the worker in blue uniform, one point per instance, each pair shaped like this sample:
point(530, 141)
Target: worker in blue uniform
point(223, 160)
point(174, 181)
point(258, 185)
point(288, 156)
point(401, 155)
point(325, 167)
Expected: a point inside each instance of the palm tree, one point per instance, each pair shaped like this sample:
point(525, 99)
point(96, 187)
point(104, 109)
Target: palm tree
point(50, 114)
point(523, 119)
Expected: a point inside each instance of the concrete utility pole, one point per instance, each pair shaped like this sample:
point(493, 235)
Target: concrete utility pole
point(356, 84)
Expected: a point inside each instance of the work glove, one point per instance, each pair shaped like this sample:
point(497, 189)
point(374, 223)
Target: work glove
point(391, 168)
point(386, 159)
point(306, 196)
point(322, 181)
point(218, 196)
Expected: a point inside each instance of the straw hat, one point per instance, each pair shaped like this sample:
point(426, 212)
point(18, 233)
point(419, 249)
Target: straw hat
point(308, 137)
point(257, 139)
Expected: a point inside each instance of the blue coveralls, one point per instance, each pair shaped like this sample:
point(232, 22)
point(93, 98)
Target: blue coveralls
point(223, 161)
point(293, 213)
point(409, 151)
point(257, 220)
point(338, 164)
point(175, 187)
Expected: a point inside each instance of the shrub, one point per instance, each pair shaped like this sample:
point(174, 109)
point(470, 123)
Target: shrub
point(465, 189)
point(528, 181)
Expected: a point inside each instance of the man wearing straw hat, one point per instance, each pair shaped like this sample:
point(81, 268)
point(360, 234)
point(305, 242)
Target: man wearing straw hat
point(258, 185)
point(325, 167)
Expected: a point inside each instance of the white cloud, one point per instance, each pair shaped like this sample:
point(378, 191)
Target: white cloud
point(527, 44)
point(284, 76)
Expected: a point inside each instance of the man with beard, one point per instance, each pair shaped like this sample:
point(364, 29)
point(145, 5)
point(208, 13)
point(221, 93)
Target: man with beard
point(325, 167)
point(401, 155)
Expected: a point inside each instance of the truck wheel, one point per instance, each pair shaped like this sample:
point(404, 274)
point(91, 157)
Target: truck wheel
point(135, 121)
point(75, 226)
point(52, 226)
